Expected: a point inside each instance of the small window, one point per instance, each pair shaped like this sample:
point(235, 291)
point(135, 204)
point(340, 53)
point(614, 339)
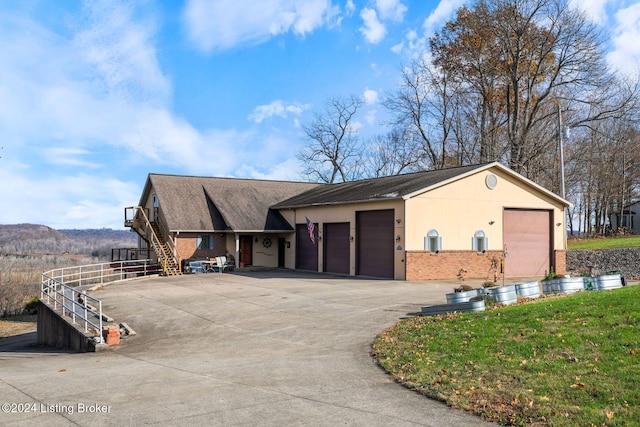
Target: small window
point(480, 241)
point(205, 242)
point(433, 242)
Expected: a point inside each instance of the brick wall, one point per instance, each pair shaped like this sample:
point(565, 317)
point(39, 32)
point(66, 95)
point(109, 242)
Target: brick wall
point(424, 265)
point(186, 245)
point(560, 262)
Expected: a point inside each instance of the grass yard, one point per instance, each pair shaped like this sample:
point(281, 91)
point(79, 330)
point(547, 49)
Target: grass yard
point(560, 361)
point(604, 243)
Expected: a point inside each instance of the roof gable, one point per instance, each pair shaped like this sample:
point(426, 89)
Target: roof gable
point(222, 204)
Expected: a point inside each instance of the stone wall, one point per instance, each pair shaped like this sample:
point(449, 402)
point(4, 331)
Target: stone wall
point(627, 261)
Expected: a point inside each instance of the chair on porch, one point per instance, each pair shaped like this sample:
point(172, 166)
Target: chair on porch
point(223, 264)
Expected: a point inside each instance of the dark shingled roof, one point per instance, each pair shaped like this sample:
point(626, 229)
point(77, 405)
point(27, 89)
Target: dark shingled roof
point(220, 204)
point(375, 189)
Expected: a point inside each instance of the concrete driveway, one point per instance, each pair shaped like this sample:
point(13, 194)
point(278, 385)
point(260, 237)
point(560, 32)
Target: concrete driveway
point(273, 348)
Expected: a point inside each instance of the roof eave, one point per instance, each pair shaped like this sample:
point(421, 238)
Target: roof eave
point(348, 202)
point(232, 231)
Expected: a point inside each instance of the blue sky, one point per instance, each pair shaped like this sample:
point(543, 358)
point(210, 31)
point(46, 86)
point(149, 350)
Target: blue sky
point(95, 95)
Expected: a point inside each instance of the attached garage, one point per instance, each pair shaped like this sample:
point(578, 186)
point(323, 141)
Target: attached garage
point(336, 248)
point(375, 247)
point(527, 240)
point(380, 227)
point(307, 250)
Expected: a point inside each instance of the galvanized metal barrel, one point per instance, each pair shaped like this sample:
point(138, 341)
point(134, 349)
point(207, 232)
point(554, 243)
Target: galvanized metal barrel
point(567, 285)
point(503, 294)
point(457, 297)
point(528, 289)
point(547, 287)
point(609, 281)
point(474, 304)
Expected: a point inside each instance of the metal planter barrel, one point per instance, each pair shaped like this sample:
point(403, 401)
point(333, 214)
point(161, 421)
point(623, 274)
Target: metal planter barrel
point(547, 287)
point(503, 294)
point(528, 289)
point(457, 297)
point(567, 285)
point(609, 281)
point(474, 304)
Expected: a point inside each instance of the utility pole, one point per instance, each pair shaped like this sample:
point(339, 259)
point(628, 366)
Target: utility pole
point(560, 132)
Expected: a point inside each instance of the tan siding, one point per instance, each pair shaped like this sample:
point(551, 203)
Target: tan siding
point(346, 213)
point(459, 209)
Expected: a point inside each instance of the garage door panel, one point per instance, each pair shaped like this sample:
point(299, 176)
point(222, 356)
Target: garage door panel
point(375, 250)
point(336, 248)
point(306, 250)
point(527, 239)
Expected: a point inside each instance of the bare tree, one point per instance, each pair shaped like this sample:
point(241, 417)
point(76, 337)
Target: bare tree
point(424, 106)
point(334, 152)
point(393, 154)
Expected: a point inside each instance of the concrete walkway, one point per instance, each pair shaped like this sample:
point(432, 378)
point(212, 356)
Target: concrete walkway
point(274, 348)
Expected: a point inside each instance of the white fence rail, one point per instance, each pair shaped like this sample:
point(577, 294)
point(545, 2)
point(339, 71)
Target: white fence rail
point(65, 289)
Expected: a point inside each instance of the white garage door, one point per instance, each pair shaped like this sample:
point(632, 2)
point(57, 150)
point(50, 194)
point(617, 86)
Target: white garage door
point(527, 238)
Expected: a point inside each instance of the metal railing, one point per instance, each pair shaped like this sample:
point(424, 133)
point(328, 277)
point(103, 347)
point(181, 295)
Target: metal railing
point(65, 289)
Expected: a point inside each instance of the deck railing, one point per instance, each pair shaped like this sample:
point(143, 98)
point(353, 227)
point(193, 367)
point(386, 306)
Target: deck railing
point(65, 289)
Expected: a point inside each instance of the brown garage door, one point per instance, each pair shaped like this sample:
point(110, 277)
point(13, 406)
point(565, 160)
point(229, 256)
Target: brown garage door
point(306, 250)
point(336, 247)
point(375, 248)
point(527, 237)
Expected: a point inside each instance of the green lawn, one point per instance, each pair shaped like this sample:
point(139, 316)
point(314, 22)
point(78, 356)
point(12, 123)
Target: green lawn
point(604, 243)
point(561, 361)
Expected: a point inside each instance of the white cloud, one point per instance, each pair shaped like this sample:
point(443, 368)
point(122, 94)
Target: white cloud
point(122, 52)
point(445, 10)
point(69, 156)
point(413, 45)
point(370, 96)
point(625, 55)
point(289, 170)
point(223, 24)
point(276, 108)
point(78, 201)
point(350, 7)
point(370, 117)
point(595, 9)
point(393, 10)
point(78, 109)
point(373, 30)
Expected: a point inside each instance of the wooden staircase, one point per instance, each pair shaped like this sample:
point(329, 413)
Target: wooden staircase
point(164, 251)
point(152, 232)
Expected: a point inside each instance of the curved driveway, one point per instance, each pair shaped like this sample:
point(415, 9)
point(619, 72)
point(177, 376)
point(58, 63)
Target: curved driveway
point(276, 348)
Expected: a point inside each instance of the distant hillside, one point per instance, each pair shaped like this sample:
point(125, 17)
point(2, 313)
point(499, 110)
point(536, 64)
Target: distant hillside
point(24, 232)
point(35, 239)
point(99, 233)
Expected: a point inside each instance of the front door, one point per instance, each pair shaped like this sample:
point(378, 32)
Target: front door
point(282, 244)
point(246, 250)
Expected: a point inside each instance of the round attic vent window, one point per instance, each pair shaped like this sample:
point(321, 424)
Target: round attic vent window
point(492, 181)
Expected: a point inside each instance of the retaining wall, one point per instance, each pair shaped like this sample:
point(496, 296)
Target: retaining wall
point(55, 331)
point(627, 261)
